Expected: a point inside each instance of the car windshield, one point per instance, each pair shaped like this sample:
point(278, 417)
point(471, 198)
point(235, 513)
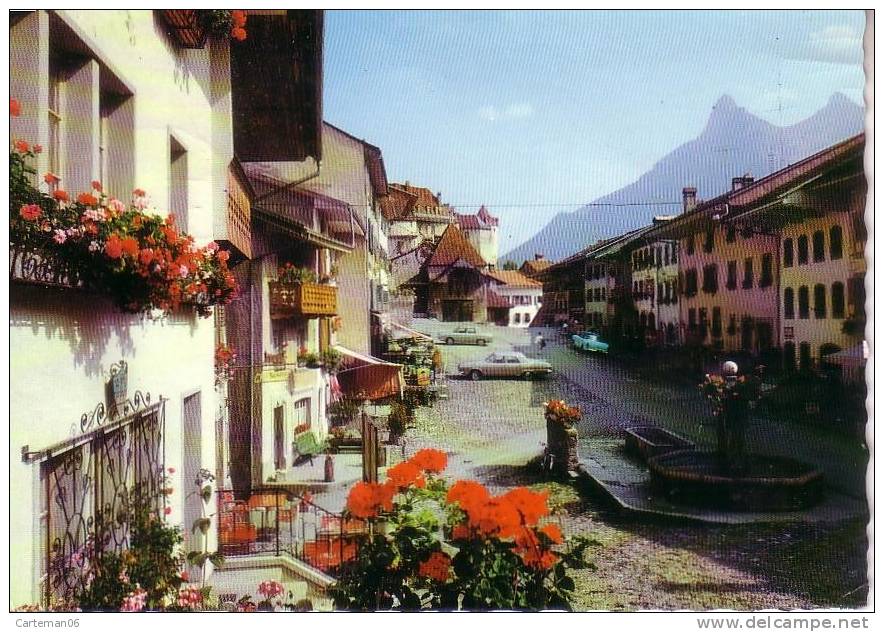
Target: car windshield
point(586, 334)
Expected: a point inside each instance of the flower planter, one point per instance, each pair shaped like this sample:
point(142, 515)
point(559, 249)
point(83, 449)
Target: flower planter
point(302, 299)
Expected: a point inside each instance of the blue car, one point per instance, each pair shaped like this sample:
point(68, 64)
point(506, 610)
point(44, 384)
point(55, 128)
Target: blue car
point(589, 341)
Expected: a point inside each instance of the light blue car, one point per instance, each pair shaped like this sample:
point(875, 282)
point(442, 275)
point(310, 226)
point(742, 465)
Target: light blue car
point(589, 341)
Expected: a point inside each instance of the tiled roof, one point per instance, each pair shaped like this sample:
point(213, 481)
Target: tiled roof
point(397, 204)
point(533, 266)
point(454, 246)
point(514, 278)
point(481, 219)
point(426, 205)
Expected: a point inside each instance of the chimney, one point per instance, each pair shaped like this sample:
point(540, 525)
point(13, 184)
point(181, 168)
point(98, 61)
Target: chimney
point(439, 196)
point(689, 198)
point(741, 182)
point(538, 256)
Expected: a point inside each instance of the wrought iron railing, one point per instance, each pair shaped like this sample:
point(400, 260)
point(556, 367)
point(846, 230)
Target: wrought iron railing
point(34, 265)
point(280, 522)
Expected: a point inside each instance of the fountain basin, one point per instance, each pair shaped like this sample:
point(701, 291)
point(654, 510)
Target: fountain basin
point(769, 483)
point(649, 441)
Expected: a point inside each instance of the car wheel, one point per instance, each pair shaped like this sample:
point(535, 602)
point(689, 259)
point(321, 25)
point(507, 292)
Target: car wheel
point(527, 376)
point(480, 342)
point(449, 341)
point(475, 375)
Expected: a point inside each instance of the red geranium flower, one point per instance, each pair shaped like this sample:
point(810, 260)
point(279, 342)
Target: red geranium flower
point(38, 149)
point(22, 146)
point(530, 505)
point(51, 178)
point(553, 532)
point(238, 33)
point(96, 185)
point(87, 199)
point(14, 107)
point(430, 460)
point(113, 247)
point(30, 212)
point(238, 17)
point(129, 246)
point(61, 195)
point(367, 499)
point(139, 193)
point(436, 567)
point(404, 475)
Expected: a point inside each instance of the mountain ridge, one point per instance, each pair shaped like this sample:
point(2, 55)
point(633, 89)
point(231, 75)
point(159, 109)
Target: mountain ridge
point(733, 142)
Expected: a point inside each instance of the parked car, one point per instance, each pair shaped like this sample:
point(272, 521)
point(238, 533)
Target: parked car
point(505, 364)
point(466, 336)
point(589, 341)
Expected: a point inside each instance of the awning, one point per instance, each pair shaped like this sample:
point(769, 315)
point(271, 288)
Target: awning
point(368, 377)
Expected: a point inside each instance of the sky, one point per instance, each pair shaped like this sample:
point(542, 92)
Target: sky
point(533, 113)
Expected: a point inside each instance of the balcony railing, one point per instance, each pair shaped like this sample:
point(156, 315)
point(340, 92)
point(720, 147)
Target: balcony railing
point(302, 299)
point(38, 266)
point(279, 522)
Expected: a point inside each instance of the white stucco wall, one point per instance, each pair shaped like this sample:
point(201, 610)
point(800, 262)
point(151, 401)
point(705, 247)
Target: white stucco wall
point(62, 342)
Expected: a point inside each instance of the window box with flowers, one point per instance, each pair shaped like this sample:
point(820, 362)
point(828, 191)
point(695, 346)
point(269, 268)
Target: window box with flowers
point(97, 242)
point(296, 293)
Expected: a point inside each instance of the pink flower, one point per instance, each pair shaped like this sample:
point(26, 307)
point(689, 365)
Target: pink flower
point(167, 510)
point(116, 206)
point(38, 149)
point(183, 271)
point(96, 185)
point(134, 601)
point(212, 247)
point(171, 470)
point(60, 236)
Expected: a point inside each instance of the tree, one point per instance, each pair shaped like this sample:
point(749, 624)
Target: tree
point(509, 264)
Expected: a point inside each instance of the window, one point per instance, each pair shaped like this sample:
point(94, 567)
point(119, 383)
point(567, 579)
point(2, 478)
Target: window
point(837, 300)
point(659, 256)
point(517, 318)
point(802, 250)
point(302, 419)
point(178, 183)
point(788, 254)
point(819, 300)
point(704, 321)
point(731, 275)
point(674, 253)
point(748, 274)
point(803, 302)
point(731, 235)
point(789, 356)
point(732, 326)
point(659, 293)
point(710, 278)
point(766, 270)
point(819, 246)
point(836, 245)
point(806, 361)
point(716, 322)
point(666, 254)
point(709, 241)
point(690, 281)
point(54, 149)
point(689, 245)
point(789, 303)
point(692, 319)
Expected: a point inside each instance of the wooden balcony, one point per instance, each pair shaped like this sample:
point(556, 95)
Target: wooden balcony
point(186, 27)
point(235, 232)
point(309, 300)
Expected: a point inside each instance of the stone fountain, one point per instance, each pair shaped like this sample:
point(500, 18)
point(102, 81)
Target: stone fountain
point(730, 478)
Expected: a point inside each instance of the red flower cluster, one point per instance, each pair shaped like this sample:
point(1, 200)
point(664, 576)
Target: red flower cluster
point(14, 107)
point(558, 411)
point(436, 567)
point(238, 17)
point(367, 500)
point(430, 460)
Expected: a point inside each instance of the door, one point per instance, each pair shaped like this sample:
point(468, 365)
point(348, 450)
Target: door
point(191, 462)
point(279, 438)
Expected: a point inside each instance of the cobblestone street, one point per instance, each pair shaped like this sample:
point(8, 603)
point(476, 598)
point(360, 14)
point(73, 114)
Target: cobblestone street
point(492, 428)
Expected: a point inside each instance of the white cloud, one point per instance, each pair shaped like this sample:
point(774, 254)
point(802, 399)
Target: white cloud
point(510, 112)
point(836, 44)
